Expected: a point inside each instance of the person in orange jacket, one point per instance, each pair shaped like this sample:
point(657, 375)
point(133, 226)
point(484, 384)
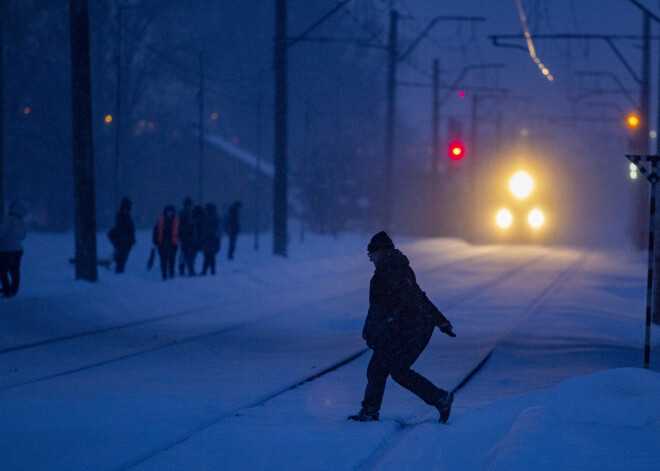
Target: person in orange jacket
point(166, 240)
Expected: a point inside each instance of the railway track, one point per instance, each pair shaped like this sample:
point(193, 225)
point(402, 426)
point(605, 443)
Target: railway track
point(390, 442)
point(492, 282)
point(353, 283)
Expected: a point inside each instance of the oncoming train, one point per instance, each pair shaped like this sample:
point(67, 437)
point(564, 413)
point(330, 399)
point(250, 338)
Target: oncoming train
point(518, 207)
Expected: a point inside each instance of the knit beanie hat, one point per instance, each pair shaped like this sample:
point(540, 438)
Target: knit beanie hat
point(380, 241)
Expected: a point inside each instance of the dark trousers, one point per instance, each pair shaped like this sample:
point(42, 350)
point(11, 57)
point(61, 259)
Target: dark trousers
point(209, 261)
point(397, 365)
point(232, 245)
point(10, 267)
point(189, 255)
point(121, 255)
point(167, 257)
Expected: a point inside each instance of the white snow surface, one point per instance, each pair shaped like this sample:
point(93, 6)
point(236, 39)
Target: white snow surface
point(197, 373)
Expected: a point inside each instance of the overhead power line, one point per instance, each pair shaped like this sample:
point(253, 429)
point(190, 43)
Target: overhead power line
point(530, 43)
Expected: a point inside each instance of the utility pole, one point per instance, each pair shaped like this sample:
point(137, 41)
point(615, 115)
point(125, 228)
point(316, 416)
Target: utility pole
point(2, 108)
point(472, 167)
point(280, 233)
point(281, 44)
point(83, 156)
point(118, 57)
point(435, 151)
point(257, 177)
point(435, 127)
point(201, 128)
point(394, 58)
point(388, 178)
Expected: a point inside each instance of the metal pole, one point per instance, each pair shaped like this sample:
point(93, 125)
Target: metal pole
point(201, 128)
point(83, 147)
point(435, 143)
point(653, 178)
point(472, 168)
point(388, 178)
point(649, 283)
point(117, 195)
point(257, 177)
point(2, 132)
point(280, 232)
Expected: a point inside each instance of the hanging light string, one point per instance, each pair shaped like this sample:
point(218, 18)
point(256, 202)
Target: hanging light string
point(530, 44)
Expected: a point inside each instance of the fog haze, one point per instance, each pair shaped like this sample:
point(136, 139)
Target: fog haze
point(572, 127)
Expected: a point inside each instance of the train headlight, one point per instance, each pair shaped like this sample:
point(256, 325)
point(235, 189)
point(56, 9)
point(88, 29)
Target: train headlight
point(521, 185)
point(504, 218)
point(535, 218)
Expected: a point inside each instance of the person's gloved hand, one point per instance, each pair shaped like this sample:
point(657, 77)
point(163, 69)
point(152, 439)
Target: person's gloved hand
point(448, 329)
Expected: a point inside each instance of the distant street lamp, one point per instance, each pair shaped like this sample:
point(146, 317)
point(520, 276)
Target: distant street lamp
point(632, 121)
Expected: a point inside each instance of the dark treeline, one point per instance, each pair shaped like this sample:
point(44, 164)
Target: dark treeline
point(336, 105)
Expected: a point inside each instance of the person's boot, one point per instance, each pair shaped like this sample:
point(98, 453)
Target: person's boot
point(365, 415)
point(444, 406)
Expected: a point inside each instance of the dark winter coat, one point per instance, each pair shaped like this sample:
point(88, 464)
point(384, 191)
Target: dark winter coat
point(186, 229)
point(401, 318)
point(232, 226)
point(12, 229)
point(211, 231)
point(197, 229)
point(122, 235)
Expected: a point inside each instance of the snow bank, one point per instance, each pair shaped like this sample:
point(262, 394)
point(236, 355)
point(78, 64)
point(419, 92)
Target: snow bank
point(607, 421)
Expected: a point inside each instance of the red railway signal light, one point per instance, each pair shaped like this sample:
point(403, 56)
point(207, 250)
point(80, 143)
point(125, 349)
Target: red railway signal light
point(456, 150)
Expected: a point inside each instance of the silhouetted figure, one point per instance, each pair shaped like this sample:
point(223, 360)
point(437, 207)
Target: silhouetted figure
point(12, 233)
point(166, 240)
point(122, 235)
point(185, 233)
point(193, 239)
point(398, 328)
point(210, 237)
point(232, 227)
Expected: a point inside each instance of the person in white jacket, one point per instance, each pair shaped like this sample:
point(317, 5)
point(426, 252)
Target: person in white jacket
point(12, 233)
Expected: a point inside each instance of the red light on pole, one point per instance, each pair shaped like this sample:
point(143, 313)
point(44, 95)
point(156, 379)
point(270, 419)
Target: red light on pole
point(456, 150)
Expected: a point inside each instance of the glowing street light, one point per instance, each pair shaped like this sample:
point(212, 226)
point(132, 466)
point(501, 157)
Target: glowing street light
point(632, 121)
point(108, 118)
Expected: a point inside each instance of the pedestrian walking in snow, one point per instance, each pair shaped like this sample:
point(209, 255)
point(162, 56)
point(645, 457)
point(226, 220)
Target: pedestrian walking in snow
point(12, 233)
point(232, 227)
point(122, 234)
point(399, 325)
point(166, 240)
point(210, 237)
point(193, 239)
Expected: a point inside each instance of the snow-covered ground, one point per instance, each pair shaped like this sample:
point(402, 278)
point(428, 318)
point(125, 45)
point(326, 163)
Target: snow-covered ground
point(229, 371)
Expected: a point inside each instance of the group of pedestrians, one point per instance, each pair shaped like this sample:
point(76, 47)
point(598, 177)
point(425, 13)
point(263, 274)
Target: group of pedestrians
point(195, 229)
